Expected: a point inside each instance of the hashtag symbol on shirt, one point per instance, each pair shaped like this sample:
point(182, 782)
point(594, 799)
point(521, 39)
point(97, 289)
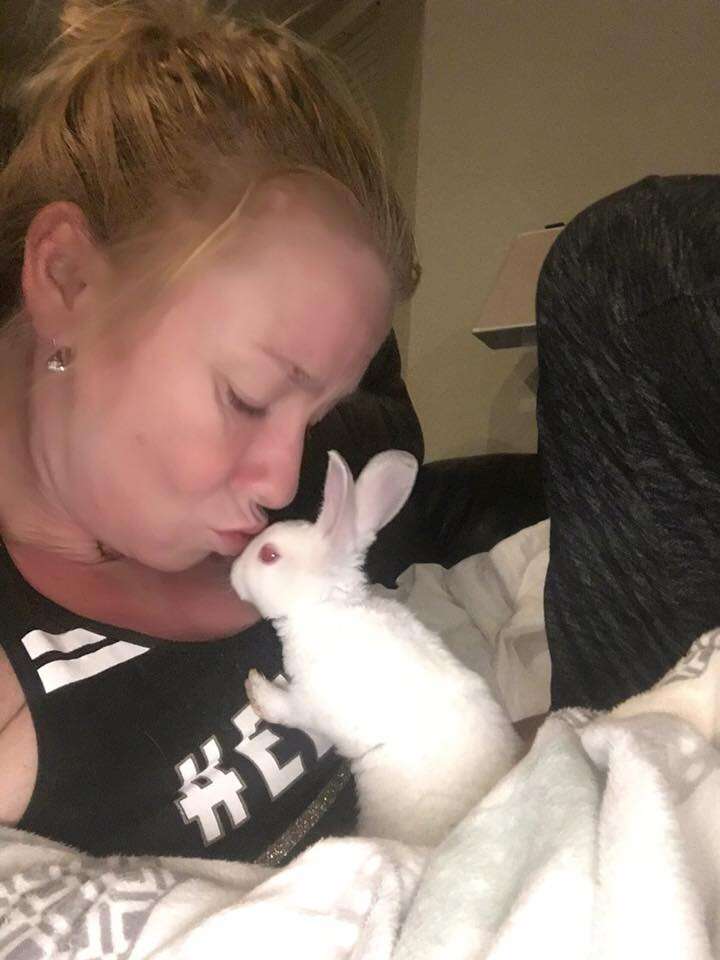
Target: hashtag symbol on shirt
point(205, 791)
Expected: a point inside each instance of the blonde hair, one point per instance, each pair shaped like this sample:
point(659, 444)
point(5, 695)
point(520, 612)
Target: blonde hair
point(143, 105)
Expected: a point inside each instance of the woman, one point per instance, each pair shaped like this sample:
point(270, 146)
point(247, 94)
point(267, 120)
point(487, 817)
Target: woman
point(199, 256)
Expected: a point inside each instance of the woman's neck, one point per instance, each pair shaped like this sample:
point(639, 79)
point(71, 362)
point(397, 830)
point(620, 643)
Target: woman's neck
point(194, 605)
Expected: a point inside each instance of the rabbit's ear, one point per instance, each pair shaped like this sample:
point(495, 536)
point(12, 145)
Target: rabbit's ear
point(336, 521)
point(381, 491)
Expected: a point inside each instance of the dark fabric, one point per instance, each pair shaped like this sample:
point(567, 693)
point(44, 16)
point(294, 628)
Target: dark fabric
point(458, 508)
point(628, 311)
point(158, 753)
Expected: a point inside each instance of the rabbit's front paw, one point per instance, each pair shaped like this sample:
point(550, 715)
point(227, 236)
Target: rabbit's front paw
point(269, 701)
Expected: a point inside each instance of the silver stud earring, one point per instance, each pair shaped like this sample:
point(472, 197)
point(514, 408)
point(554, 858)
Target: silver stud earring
point(60, 359)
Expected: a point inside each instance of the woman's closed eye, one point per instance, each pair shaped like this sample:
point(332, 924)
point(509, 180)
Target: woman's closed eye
point(247, 407)
point(251, 408)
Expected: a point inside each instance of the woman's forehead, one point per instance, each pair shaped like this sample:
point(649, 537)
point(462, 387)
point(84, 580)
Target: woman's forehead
point(302, 293)
point(293, 276)
point(307, 196)
point(307, 262)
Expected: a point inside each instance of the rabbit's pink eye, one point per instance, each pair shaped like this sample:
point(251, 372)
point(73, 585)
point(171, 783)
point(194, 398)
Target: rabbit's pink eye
point(268, 553)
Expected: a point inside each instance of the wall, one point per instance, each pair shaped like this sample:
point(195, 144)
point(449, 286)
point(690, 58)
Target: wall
point(528, 112)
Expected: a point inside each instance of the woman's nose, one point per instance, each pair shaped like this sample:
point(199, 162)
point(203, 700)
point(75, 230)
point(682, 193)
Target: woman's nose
point(274, 468)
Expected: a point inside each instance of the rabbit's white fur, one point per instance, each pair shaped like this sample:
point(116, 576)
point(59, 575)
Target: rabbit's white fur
point(424, 736)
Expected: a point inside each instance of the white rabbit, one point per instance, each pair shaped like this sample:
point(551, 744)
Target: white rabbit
point(424, 736)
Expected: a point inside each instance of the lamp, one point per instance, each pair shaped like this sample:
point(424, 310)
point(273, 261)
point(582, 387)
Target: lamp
point(507, 318)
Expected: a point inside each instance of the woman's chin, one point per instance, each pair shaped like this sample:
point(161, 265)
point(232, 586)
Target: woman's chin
point(169, 560)
point(177, 558)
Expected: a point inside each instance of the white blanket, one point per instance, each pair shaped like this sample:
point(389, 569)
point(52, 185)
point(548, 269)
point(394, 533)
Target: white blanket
point(489, 611)
point(604, 841)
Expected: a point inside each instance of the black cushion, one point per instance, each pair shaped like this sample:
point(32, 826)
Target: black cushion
point(458, 508)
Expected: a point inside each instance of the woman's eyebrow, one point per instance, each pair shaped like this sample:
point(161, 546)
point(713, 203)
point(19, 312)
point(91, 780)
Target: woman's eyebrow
point(294, 372)
point(302, 378)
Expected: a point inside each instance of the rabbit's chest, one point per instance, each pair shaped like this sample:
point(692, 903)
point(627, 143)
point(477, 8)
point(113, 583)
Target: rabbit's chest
point(346, 663)
point(317, 636)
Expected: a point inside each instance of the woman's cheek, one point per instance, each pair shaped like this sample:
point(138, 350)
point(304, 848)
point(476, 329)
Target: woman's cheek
point(200, 470)
point(191, 450)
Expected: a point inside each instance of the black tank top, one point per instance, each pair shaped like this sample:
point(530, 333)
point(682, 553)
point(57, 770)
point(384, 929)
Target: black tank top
point(147, 746)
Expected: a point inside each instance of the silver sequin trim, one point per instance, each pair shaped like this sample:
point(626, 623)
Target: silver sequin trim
point(278, 852)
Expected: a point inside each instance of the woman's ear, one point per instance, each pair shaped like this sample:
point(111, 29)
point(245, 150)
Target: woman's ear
point(60, 267)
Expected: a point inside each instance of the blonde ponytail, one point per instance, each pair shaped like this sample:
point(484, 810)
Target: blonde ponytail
point(145, 104)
